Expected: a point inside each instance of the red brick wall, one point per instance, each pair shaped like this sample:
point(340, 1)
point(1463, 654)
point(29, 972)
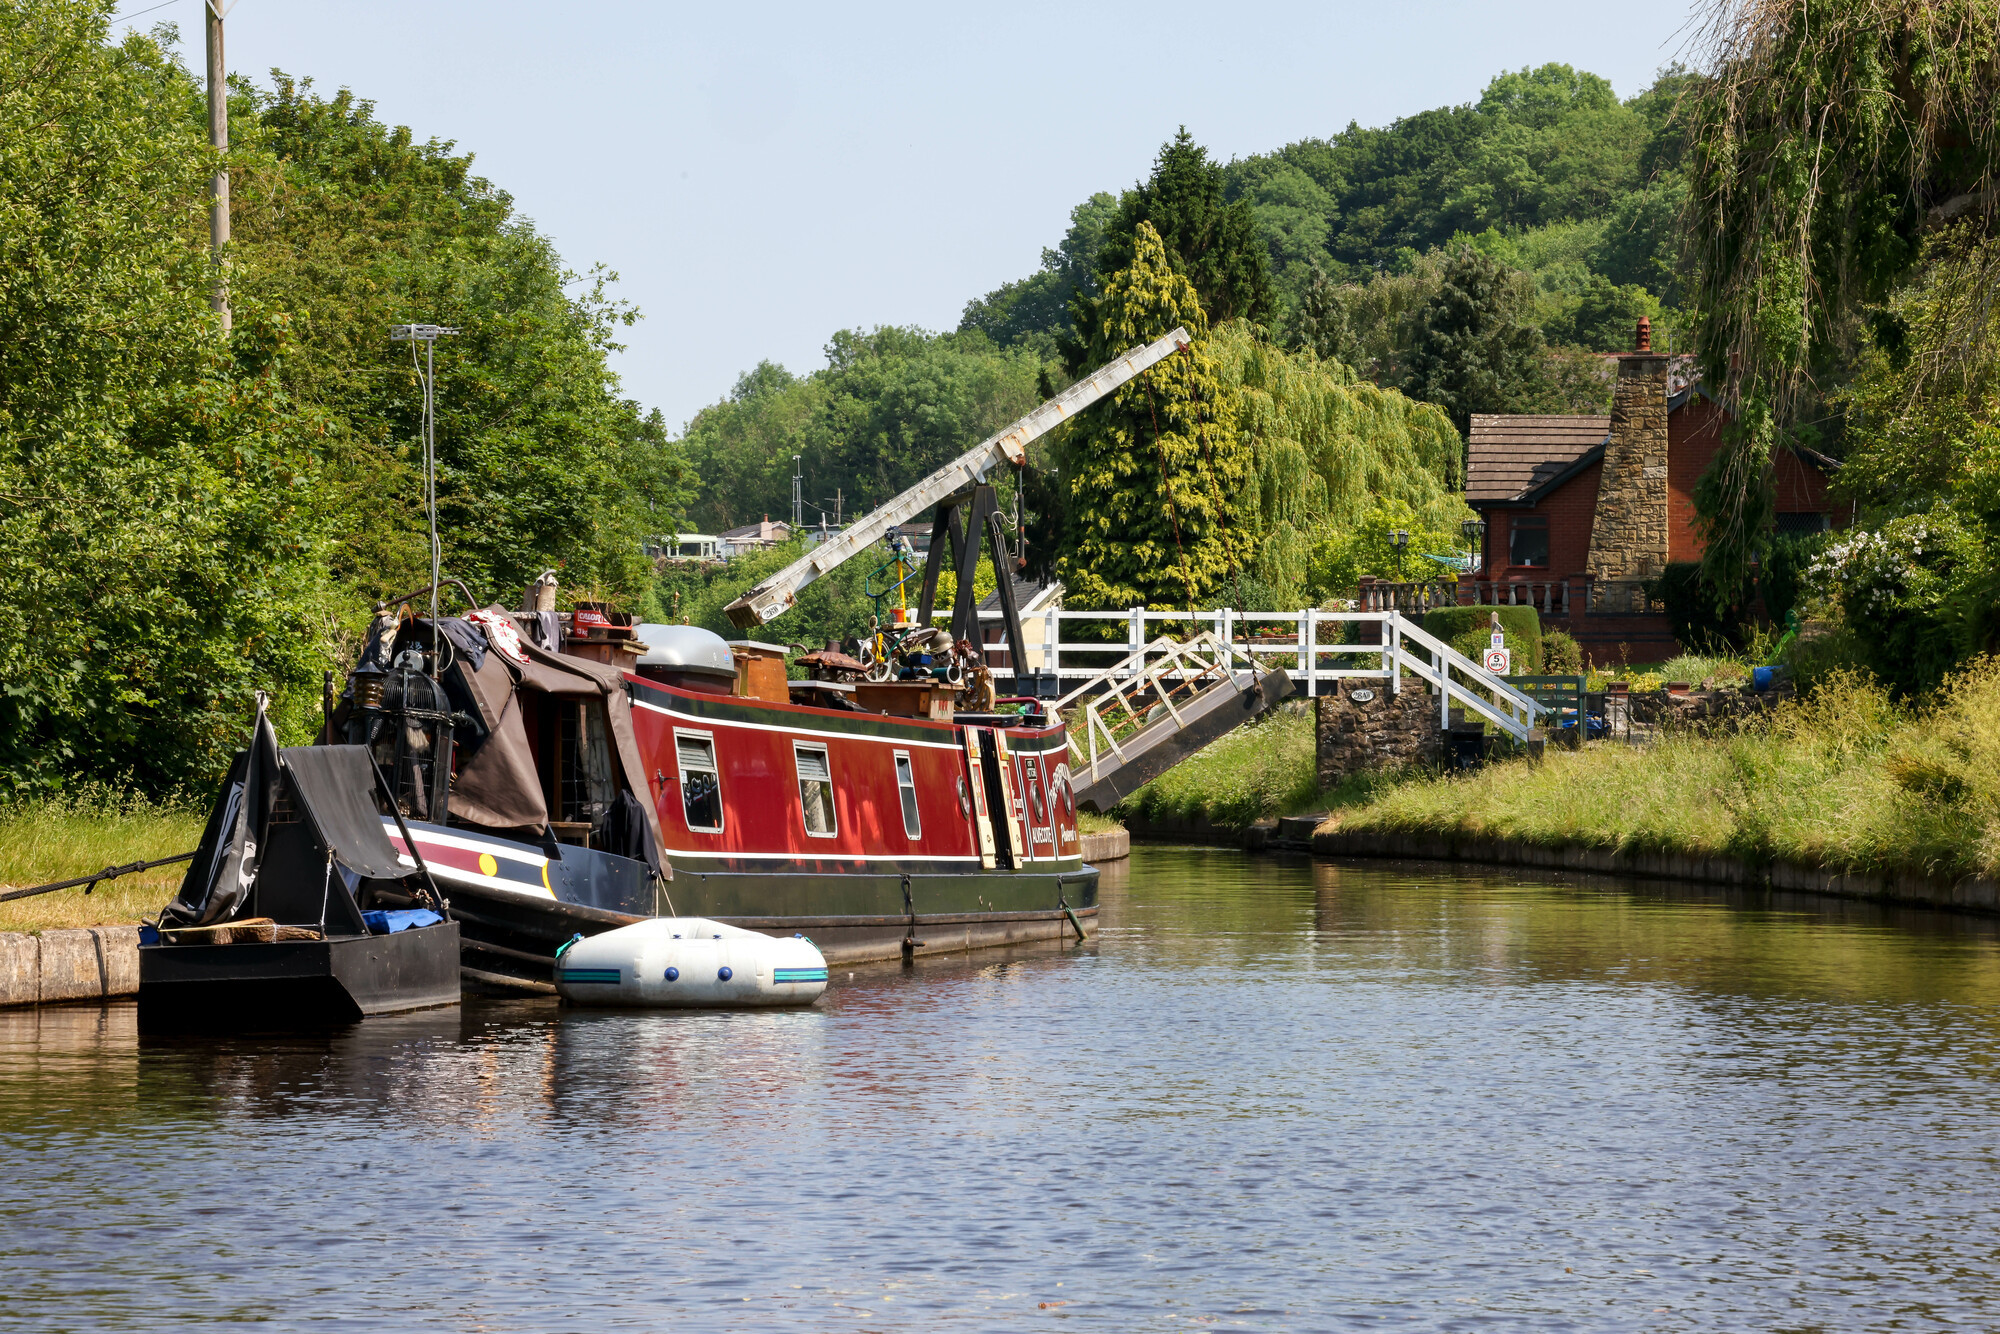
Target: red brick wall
point(1801, 488)
point(1570, 508)
point(1693, 435)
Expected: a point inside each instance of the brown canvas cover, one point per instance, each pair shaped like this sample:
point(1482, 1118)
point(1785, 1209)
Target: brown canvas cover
point(497, 786)
point(610, 682)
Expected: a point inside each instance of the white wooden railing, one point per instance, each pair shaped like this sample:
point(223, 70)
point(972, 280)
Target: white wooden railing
point(1311, 647)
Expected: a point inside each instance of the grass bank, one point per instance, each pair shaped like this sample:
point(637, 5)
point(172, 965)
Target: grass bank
point(1841, 779)
point(1264, 769)
point(61, 838)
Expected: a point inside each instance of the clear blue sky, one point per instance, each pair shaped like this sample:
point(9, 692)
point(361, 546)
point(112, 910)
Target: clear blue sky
point(761, 176)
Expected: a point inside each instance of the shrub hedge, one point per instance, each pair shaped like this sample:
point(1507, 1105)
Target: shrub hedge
point(1522, 625)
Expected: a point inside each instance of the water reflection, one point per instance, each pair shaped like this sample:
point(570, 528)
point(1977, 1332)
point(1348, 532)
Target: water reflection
point(1270, 1093)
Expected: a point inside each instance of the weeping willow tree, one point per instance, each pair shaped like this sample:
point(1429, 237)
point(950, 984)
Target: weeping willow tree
point(1832, 143)
point(1337, 463)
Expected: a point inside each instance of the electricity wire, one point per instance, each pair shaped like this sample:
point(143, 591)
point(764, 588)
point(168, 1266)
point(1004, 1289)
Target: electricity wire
point(425, 377)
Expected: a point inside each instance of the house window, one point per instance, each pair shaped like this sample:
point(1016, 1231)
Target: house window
point(815, 790)
point(1789, 524)
point(906, 784)
point(701, 783)
point(1528, 540)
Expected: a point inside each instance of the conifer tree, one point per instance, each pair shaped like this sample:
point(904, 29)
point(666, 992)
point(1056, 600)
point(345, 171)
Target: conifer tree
point(1156, 472)
point(1214, 243)
point(1476, 350)
point(1319, 321)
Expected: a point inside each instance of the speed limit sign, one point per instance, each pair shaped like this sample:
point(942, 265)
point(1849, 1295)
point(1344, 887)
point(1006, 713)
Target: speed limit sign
point(1499, 661)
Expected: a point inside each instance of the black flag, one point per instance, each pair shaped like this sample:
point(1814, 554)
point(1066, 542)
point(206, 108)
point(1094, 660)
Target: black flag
point(224, 870)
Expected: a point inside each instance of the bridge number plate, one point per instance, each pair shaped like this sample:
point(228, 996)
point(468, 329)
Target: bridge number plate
point(1499, 661)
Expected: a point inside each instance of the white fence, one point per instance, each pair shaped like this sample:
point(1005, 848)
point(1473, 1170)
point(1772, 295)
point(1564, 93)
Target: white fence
point(1309, 645)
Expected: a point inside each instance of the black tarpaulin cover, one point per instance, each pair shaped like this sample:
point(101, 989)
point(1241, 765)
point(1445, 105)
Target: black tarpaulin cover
point(336, 785)
point(219, 879)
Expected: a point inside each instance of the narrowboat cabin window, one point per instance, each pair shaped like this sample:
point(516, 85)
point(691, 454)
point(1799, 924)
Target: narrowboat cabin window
point(906, 784)
point(1528, 540)
point(701, 782)
point(815, 790)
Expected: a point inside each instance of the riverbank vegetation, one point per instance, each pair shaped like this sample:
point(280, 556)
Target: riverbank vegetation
point(1844, 777)
point(1252, 773)
point(189, 515)
point(48, 839)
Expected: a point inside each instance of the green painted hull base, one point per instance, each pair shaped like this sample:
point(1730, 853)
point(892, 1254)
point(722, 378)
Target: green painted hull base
point(860, 918)
point(510, 940)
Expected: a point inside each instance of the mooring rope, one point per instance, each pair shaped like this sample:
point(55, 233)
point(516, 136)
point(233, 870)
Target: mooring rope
point(89, 882)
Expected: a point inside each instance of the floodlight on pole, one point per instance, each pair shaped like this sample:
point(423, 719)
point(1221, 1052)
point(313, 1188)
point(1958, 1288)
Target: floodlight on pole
point(428, 334)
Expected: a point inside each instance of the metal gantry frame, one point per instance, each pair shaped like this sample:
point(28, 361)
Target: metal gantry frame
point(955, 481)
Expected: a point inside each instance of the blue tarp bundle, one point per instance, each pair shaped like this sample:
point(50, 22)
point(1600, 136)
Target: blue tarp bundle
point(382, 922)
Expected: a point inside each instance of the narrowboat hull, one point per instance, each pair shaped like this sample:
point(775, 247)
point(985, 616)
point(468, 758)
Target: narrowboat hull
point(878, 836)
point(509, 936)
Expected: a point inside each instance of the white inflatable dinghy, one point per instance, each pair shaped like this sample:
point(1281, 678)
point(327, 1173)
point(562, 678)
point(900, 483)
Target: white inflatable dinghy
point(689, 963)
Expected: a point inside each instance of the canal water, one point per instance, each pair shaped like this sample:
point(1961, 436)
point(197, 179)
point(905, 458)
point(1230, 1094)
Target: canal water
point(1273, 1094)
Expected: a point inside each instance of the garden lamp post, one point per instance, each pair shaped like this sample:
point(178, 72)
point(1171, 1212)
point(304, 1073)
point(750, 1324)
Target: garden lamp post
point(1399, 540)
point(1475, 538)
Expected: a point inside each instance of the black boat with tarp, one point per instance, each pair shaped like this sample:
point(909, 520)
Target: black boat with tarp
point(297, 910)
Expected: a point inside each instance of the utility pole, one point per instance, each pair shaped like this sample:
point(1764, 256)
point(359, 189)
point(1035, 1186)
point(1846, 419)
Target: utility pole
point(798, 496)
point(218, 138)
point(836, 507)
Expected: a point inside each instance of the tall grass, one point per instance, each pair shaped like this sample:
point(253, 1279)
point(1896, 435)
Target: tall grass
point(1841, 779)
point(64, 837)
point(1267, 768)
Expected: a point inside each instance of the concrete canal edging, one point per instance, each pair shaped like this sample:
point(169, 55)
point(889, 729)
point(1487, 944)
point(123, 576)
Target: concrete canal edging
point(1110, 846)
point(87, 964)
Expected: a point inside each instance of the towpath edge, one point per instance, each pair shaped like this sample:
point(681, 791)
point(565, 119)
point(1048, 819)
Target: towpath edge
point(85, 964)
point(1977, 893)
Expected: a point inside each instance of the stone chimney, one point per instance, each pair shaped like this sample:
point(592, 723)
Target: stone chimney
point(1628, 538)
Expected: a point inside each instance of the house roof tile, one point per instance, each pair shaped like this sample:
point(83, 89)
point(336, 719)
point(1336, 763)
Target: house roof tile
point(1512, 454)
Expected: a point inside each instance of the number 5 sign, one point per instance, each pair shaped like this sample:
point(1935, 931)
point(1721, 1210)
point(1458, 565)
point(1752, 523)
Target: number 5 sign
point(1499, 661)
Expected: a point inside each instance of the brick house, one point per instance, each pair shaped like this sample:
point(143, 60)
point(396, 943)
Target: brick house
point(1581, 511)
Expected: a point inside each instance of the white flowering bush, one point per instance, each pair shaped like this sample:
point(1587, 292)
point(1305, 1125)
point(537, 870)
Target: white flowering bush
point(1900, 586)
